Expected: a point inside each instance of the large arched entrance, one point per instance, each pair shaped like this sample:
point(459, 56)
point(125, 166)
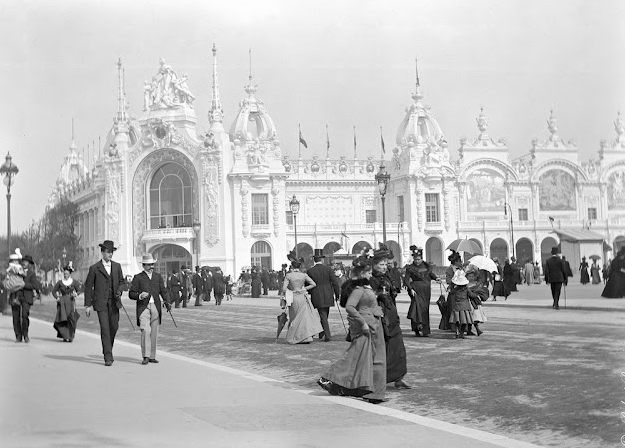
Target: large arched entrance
point(395, 248)
point(170, 257)
point(524, 250)
point(499, 249)
point(434, 251)
point(170, 203)
point(330, 248)
point(619, 242)
point(261, 255)
point(360, 246)
point(305, 251)
point(545, 248)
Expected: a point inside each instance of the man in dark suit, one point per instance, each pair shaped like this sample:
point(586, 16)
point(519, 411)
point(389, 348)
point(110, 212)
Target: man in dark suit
point(264, 279)
point(184, 290)
point(322, 295)
point(173, 283)
point(555, 275)
point(207, 279)
point(198, 286)
point(103, 293)
point(26, 298)
point(147, 289)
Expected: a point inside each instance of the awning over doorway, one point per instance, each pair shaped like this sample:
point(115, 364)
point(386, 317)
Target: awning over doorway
point(574, 236)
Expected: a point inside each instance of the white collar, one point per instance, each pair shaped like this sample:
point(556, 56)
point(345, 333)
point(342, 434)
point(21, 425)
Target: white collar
point(106, 263)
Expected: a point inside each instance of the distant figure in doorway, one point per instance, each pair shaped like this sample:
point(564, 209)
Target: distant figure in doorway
point(615, 287)
point(536, 273)
point(583, 268)
point(256, 283)
point(529, 272)
point(594, 273)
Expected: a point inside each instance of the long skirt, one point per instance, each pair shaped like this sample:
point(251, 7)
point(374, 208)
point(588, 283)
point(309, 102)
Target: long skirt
point(396, 366)
point(584, 278)
point(615, 287)
point(303, 320)
point(478, 315)
point(595, 276)
point(419, 311)
point(500, 290)
point(64, 323)
point(256, 288)
point(461, 317)
point(361, 371)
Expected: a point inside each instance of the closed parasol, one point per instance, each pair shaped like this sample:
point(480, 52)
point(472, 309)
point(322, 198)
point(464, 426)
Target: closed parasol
point(282, 320)
point(482, 262)
point(465, 245)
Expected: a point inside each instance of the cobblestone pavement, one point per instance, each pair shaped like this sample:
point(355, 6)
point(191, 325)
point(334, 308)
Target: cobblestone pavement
point(538, 375)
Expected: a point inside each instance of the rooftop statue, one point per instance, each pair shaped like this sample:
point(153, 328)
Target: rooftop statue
point(166, 90)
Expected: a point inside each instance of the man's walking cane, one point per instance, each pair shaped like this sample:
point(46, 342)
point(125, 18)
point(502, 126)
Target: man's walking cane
point(129, 319)
point(172, 317)
point(340, 314)
point(565, 296)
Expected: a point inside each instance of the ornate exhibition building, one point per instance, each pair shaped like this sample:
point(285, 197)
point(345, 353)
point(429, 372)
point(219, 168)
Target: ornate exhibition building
point(222, 198)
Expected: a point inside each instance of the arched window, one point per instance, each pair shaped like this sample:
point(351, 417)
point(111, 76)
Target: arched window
point(170, 197)
point(261, 255)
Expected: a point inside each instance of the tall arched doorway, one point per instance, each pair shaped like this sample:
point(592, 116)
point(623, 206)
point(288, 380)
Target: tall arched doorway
point(619, 242)
point(330, 248)
point(261, 255)
point(524, 250)
point(434, 251)
point(170, 257)
point(360, 246)
point(170, 203)
point(545, 248)
point(395, 248)
point(499, 249)
point(305, 251)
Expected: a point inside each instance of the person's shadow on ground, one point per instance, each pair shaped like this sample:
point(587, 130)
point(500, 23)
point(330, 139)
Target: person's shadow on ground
point(91, 359)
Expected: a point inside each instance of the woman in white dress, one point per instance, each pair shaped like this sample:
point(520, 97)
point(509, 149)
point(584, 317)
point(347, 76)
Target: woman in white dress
point(303, 321)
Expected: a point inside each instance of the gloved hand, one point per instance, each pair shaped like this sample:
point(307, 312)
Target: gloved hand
point(168, 306)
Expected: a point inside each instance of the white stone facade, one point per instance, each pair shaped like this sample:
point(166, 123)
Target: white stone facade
point(232, 207)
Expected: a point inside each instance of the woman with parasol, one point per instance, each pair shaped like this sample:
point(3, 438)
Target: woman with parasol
point(419, 278)
point(382, 285)
point(361, 371)
point(303, 321)
point(65, 291)
point(499, 287)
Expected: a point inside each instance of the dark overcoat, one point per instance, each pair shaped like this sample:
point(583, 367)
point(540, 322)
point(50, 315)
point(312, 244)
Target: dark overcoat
point(31, 284)
point(555, 270)
point(155, 287)
point(322, 295)
point(97, 285)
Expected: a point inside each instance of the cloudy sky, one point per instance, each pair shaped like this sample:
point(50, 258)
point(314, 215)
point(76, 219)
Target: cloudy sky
point(341, 63)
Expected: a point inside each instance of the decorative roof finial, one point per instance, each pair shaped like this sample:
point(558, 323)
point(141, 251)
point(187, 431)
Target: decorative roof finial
point(482, 122)
point(416, 64)
point(216, 113)
point(418, 95)
point(619, 126)
point(121, 93)
point(72, 145)
point(552, 124)
point(250, 88)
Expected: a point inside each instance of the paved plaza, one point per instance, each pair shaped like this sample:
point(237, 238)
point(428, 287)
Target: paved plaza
point(536, 375)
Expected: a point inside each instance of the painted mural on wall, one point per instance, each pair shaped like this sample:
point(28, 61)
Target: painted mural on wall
point(485, 192)
point(616, 190)
point(557, 191)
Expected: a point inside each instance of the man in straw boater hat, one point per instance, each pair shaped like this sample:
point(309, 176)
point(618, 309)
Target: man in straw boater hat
point(147, 288)
point(555, 275)
point(322, 296)
point(103, 292)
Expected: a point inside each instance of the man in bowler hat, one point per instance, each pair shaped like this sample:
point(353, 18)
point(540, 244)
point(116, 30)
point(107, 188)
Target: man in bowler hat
point(147, 289)
point(322, 296)
point(103, 292)
point(555, 275)
point(26, 296)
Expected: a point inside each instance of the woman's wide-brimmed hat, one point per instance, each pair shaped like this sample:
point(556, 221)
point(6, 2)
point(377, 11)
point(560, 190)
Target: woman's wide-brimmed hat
point(459, 278)
point(148, 259)
point(455, 256)
point(16, 256)
point(69, 267)
point(109, 245)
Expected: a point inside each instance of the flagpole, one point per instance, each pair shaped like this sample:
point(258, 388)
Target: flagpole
point(382, 152)
point(327, 142)
point(299, 140)
point(355, 152)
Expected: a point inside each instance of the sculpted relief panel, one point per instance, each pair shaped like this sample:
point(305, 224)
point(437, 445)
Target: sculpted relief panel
point(616, 191)
point(486, 191)
point(557, 191)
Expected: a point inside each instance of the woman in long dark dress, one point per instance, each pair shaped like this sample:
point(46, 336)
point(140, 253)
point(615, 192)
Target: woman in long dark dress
point(256, 283)
point(499, 287)
point(508, 277)
point(419, 277)
point(361, 371)
point(219, 286)
point(382, 285)
point(583, 268)
point(615, 287)
point(594, 273)
point(65, 292)
point(456, 263)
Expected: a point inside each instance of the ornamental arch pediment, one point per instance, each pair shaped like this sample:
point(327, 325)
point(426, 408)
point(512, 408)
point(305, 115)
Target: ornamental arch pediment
point(501, 168)
point(612, 168)
point(559, 164)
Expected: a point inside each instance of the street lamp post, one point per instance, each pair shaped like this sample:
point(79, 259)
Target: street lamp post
point(196, 230)
point(8, 170)
point(64, 258)
point(506, 206)
point(382, 179)
point(294, 205)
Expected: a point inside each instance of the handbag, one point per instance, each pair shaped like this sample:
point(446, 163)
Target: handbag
point(497, 277)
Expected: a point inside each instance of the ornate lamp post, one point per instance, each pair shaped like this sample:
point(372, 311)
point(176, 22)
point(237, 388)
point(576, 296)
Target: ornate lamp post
point(196, 230)
point(294, 205)
point(382, 178)
point(506, 206)
point(64, 258)
point(8, 170)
